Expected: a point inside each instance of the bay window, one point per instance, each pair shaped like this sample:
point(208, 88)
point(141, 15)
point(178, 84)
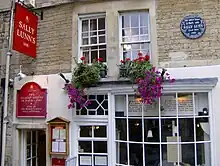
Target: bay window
point(173, 131)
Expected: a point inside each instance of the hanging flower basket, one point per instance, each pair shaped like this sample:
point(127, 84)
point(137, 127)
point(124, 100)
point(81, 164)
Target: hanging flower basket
point(84, 76)
point(149, 80)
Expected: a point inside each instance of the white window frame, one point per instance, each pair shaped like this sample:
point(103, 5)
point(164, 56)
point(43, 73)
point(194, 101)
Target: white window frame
point(121, 43)
point(80, 46)
point(89, 123)
point(210, 141)
point(23, 151)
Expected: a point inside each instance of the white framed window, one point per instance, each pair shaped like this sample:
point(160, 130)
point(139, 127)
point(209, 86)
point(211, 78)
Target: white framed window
point(93, 145)
point(173, 131)
point(31, 148)
point(92, 37)
point(134, 34)
point(98, 106)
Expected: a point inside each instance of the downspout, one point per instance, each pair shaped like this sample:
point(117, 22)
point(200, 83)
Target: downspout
point(5, 121)
point(2, 116)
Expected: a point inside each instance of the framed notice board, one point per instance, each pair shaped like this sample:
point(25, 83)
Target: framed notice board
point(58, 129)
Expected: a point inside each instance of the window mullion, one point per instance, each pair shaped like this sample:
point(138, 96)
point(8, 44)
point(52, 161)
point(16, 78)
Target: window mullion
point(177, 126)
point(160, 135)
point(127, 125)
point(194, 128)
point(143, 148)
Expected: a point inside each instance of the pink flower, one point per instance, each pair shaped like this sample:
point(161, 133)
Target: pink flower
point(82, 58)
point(122, 61)
point(100, 59)
point(147, 57)
point(140, 54)
point(127, 59)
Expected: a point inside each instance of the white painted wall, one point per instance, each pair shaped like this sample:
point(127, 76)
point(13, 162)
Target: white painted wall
point(57, 99)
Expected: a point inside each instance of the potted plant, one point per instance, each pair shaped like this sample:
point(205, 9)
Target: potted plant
point(84, 76)
point(102, 67)
point(141, 72)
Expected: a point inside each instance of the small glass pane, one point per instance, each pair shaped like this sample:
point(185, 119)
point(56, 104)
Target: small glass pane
point(102, 39)
point(168, 130)
point(34, 146)
point(202, 129)
point(94, 56)
point(187, 154)
point(121, 129)
point(93, 24)
point(100, 147)
point(85, 25)
point(134, 31)
point(93, 34)
point(100, 131)
point(34, 161)
point(151, 130)
point(136, 154)
point(34, 134)
point(185, 104)
point(135, 130)
point(85, 34)
point(85, 147)
point(86, 55)
point(102, 54)
point(29, 162)
point(85, 131)
point(169, 155)
point(93, 40)
point(101, 23)
point(126, 32)
point(203, 154)
point(144, 19)
point(168, 105)
point(28, 137)
point(125, 21)
point(28, 151)
point(135, 20)
point(143, 37)
point(120, 106)
point(152, 155)
point(85, 41)
point(143, 30)
point(201, 104)
point(101, 32)
point(121, 153)
point(186, 130)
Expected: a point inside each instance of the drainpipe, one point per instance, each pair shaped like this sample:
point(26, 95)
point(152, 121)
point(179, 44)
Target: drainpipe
point(2, 115)
point(5, 121)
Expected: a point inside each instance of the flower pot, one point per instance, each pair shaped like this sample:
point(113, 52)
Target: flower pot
point(103, 73)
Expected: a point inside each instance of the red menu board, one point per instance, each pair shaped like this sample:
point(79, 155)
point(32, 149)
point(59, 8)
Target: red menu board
point(58, 162)
point(31, 101)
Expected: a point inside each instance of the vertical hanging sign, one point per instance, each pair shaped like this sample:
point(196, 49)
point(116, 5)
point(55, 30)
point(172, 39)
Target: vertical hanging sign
point(25, 31)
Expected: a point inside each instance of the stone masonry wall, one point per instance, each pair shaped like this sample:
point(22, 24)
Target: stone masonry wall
point(53, 53)
point(173, 48)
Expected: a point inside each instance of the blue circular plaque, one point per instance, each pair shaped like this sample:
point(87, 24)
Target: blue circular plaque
point(193, 26)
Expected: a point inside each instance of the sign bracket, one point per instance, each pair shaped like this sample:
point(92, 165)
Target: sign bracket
point(40, 14)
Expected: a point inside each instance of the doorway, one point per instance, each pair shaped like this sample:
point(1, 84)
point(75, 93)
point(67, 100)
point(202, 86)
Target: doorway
point(34, 148)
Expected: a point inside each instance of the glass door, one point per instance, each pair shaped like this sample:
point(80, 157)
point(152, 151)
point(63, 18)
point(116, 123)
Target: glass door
point(92, 145)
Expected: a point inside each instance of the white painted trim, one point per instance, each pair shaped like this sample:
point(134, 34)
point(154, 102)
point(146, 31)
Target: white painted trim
point(212, 128)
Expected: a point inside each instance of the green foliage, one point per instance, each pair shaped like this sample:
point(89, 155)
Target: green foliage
point(86, 75)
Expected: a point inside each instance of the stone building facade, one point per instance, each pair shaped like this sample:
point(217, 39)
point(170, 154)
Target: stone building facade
point(58, 38)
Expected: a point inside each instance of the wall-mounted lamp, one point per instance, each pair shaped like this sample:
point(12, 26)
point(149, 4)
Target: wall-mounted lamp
point(64, 78)
point(20, 74)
